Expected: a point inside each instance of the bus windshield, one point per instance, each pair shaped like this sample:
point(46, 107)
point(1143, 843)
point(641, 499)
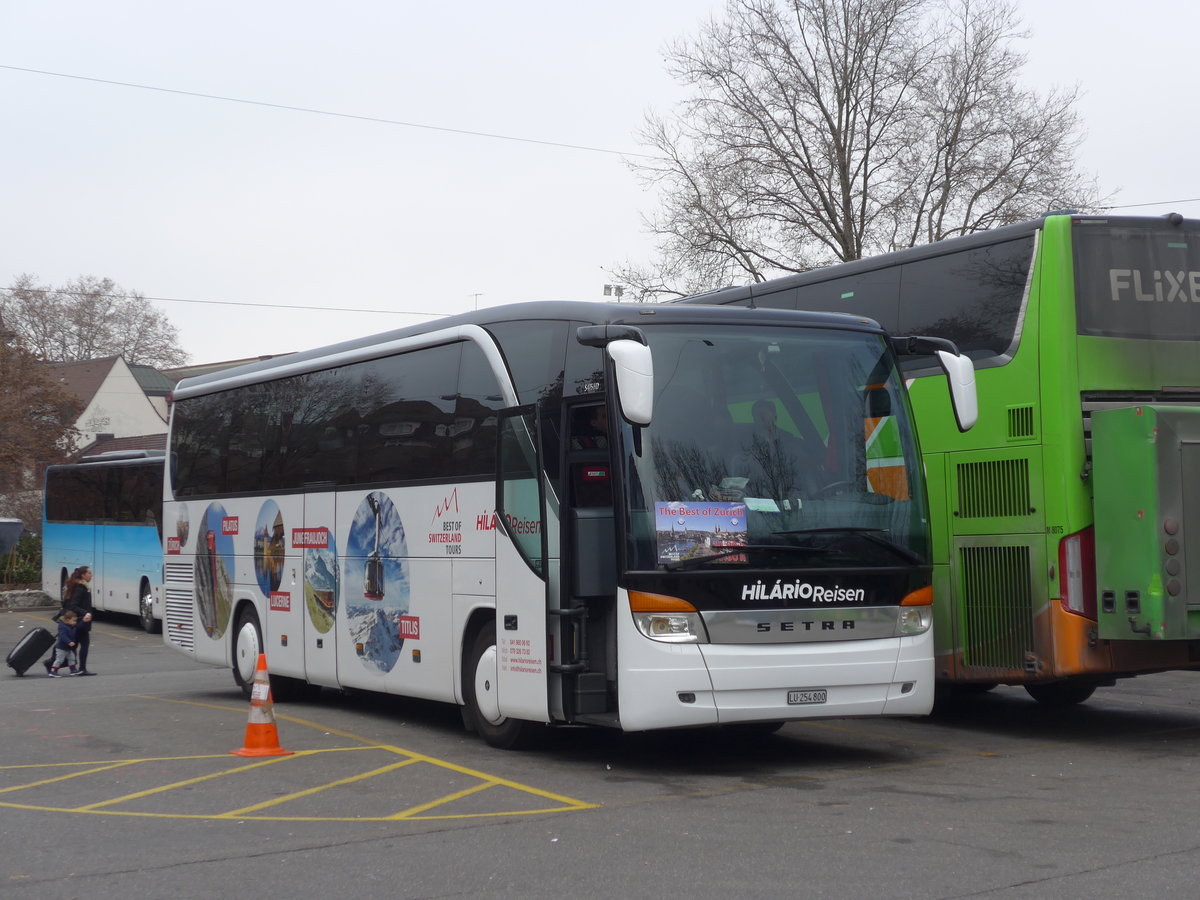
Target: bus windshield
point(784, 448)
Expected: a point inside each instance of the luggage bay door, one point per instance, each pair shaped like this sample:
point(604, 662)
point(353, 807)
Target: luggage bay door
point(528, 519)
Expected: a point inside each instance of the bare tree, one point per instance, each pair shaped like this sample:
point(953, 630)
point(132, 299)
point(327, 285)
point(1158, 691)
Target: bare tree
point(35, 428)
point(820, 131)
point(89, 318)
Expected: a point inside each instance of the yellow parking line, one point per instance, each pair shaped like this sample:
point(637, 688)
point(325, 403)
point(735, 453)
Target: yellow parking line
point(441, 801)
point(179, 784)
point(569, 803)
point(315, 790)
point(67, 777)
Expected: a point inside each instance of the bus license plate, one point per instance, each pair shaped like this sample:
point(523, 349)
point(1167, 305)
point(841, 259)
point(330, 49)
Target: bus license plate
point(804, 698)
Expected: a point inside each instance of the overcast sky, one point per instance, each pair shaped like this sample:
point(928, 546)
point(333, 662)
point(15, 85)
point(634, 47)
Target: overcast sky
point(178, 196)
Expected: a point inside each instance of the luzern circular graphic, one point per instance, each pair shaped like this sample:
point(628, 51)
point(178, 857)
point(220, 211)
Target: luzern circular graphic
point(270, 545)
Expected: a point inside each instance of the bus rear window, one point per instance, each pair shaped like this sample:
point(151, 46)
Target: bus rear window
point(1137, 282)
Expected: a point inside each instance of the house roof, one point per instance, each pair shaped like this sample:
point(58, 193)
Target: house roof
point(177, 375)
point(153, 382)
point(106, 443)
point(82, 379)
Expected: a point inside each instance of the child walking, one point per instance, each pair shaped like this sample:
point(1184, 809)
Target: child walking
point(64, 649)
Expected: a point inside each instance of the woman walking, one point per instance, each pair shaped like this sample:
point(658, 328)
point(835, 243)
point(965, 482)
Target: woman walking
point(78, 597)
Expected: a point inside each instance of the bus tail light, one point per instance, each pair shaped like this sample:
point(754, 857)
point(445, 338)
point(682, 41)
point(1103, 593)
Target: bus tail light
point(1077, 571)
point(664, 618)
point(916, 612)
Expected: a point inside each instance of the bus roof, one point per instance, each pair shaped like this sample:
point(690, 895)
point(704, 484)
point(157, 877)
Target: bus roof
point(577, 311)
point(118, 457)
point(737, 293)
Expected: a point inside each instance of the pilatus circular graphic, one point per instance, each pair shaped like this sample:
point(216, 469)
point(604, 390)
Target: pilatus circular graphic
point(214, 570)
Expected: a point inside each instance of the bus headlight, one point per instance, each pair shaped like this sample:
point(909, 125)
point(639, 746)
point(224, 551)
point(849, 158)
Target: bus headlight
point(914, 619)
point(916, 612)
point(663, 618)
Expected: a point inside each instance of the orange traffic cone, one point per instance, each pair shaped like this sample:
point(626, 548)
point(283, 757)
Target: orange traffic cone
point(262, 738)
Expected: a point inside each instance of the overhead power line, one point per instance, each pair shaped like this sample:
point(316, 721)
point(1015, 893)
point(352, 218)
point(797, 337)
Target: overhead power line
point(393, 312)
point(1159, 203)
point(325, 112)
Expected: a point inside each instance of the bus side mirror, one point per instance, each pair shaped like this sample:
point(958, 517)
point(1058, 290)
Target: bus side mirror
point(960, 373)
point(633, 367)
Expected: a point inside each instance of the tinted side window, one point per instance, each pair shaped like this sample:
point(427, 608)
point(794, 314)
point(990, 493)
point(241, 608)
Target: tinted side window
point(408, 436)
point(138, 494)
point(199, 437)
point(473, 434)
point(399, 418)
point(75, 495)
point(585, 366)
point(534, 352)
point(972, 297)
point(875, 294)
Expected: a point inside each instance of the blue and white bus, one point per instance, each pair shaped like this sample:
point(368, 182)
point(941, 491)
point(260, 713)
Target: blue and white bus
point(566, 513)
point(105, 512)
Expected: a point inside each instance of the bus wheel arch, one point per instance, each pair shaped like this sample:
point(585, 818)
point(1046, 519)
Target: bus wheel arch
point(247, 645)
point(146, 608)
point(481, 707)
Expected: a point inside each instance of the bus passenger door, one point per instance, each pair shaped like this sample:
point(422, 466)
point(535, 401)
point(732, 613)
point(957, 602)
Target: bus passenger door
point(319, 587)
point(524, 570)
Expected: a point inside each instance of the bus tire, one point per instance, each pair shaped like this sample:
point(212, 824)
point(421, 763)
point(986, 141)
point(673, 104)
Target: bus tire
point(1061, 693)
point(247, 645)
point(150, 624)
point(479, 688)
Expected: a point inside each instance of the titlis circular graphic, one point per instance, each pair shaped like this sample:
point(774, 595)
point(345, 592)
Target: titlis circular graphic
point(214, 570)
point(376, 582)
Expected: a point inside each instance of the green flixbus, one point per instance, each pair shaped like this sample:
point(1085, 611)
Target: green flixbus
point(1064, 522)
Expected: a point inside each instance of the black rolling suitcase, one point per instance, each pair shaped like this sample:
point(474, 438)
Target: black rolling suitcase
point(30, 649)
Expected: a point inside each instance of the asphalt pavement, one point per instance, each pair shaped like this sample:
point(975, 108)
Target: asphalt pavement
point(124, 786)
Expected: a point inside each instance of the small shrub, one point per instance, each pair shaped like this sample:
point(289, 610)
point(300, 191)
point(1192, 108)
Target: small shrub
point(23, 566)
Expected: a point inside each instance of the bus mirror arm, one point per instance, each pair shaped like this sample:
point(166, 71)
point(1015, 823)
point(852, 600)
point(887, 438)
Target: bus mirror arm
point(633, 371)
point(960, 373)
point(922, 345)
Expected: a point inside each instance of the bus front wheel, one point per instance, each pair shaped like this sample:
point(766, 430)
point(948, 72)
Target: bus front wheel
point(1061, 693)
point(247, 645)
point(483, 699)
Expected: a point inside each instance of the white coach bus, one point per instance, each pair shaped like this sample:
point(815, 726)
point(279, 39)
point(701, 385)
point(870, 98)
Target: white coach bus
point(639, 517)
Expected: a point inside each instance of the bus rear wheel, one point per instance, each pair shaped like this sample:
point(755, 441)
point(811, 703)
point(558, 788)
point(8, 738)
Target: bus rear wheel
point(482, 697)
point(146, 610)
point(1061, 693)
point(247, 645)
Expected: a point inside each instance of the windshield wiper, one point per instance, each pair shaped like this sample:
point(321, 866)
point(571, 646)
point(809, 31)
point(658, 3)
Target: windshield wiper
point(694, 561)
point(870, 534)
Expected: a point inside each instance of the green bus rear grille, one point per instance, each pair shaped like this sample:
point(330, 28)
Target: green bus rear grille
point(997, 599)
point(994, 488)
